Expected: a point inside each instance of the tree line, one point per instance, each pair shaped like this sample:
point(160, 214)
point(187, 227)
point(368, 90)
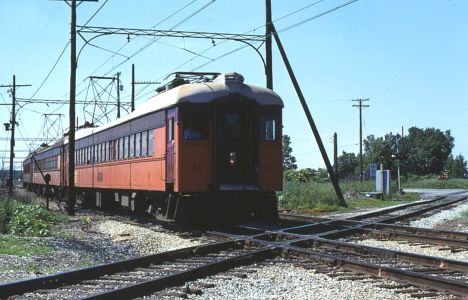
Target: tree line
point(421, 152)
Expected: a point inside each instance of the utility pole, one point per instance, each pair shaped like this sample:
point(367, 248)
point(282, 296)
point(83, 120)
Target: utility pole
point(133, 87)
point(360, 105)
point(335, 153)
point(268, 51)
point(118, 94)
point(12, 128)
point(71, 134)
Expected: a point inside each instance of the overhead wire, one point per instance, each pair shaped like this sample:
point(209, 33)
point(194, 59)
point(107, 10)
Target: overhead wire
point(283, 30)
point(112, 56)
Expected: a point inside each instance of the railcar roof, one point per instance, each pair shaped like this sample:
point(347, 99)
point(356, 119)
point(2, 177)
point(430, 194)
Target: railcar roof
point(206, 92)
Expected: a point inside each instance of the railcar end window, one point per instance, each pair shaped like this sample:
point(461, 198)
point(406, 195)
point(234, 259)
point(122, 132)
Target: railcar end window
point(232, 126)
point(267, 128)
point(196, 128)
point(170, 130)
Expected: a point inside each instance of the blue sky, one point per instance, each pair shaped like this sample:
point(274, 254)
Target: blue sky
point(409, 58)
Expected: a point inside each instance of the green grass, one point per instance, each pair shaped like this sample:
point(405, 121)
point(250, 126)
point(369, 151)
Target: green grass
point(13, 245)
point(434, 183)
point(464, 215)
point(321, 197)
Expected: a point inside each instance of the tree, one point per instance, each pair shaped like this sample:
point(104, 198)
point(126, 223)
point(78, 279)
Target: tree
point(347, 164)
point(457, 167)
point(380, 150)
point(427, 150)
point(289, 161)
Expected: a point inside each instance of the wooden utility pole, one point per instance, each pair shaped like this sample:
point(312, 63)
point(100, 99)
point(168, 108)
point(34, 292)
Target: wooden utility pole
point(268, 50)
point(331, 173)
point(118, 94)
point(71, 134)
point(360, 105)
point(12, 129)
point(133, 87)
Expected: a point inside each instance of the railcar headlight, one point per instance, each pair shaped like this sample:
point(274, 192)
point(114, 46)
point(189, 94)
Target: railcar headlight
point(232, 158)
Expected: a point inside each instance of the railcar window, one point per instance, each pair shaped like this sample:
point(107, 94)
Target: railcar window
point(144, 143)
point(99, 153)
point(132, 146)
point(150, 143)
point(96, 153)
point(267, 128)
point(196, 128)
point(109, 151)
point(232, 126)
point(121, 148)
point(88, 155)
point(138, 145)
point(170, 130)
point(125, 147)
point(117, 149)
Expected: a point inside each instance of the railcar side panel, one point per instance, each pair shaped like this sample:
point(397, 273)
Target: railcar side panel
point(195, 166)
point(147, 175)
point(84, 176)
point(270, 166)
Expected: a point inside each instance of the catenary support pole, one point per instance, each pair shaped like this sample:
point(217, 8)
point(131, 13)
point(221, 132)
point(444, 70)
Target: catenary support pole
point(118, 94)
point(268, 48)
point(133, 87)
point(71, 134)
point(331, 173)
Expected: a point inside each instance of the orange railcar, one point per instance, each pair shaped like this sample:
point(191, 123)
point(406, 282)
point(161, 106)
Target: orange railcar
point(192, 148)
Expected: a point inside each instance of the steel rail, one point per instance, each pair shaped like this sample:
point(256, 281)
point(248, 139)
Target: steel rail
point(414, 237)
point(151, 286)
point(441, 284)
point(419, 230)
point(71, 277)
point(393, 208)
point(421, 211)
point(341, 246)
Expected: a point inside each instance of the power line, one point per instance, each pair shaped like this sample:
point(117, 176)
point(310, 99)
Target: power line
point(97, 11)
point(51, 70)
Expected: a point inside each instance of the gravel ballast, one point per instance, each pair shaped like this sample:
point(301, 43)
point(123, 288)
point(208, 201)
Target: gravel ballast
point(441, 217)
point(144, 240)
point(283, 281)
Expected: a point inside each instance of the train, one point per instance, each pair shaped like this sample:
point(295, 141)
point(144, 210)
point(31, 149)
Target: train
point(206, 145)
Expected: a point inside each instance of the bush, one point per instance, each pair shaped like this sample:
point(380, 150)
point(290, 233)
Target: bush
point(6, 211)
point(25, 219)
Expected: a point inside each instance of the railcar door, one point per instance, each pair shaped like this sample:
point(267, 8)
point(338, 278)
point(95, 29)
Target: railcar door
point(235, 144)
point(170, 149)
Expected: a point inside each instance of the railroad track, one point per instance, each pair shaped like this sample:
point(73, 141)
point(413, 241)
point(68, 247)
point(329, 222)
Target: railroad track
point(326, 245)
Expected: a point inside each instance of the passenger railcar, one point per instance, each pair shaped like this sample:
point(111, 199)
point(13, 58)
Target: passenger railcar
point(195, 149)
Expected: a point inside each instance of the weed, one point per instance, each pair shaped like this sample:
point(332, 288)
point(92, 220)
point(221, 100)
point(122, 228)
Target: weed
point(86, 221)
point(12, 245)
point(464, 215)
